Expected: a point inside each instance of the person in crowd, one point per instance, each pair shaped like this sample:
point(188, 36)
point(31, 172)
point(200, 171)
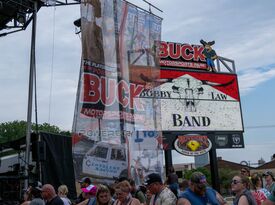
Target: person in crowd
point(123, 194)
point(270, 199)
point(245, 171)
point(270, 181)
point(259, 193)
point(103, 195)
point(50, 196)
point(27, 196)
point(184, 185)
point(161, 195)
point(199, 193)
point(37, 197)
point(84, 182)
point(137, 193)
point(239, 186)
point(62, 193)
point(148, 196)
point(89, 194)
point(173, 181)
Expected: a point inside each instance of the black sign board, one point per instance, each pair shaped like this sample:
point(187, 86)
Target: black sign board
point(220, 140)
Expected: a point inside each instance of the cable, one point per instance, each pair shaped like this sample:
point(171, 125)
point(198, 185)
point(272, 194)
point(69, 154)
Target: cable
point(259, 126)
point(52, 65)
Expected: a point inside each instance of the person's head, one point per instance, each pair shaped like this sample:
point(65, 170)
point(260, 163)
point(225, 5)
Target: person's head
point(239, 183)
point(36, 190)
point(198, 183)
point(122, 190)
point(84, 182)
point(245, 171)
point(63, 190)
point(153, 183)
point(269, 177)
point(171, 170)
point(89, 191)
point(48, 192)
point(103, 195)
point(184, 184)
point(133, 185)
point(148, 194)
point(257, 181)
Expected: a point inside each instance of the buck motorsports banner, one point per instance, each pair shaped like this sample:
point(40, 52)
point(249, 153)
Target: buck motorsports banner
point(117, 39)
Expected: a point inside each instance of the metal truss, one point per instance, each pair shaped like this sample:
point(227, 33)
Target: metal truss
point(15, 15)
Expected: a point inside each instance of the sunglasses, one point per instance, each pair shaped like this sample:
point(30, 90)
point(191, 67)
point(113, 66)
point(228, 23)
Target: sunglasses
point(235, 181)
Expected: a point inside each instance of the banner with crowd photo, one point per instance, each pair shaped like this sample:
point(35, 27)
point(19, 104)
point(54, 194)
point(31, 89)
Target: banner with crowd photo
point(119, 62)
point(146, 154)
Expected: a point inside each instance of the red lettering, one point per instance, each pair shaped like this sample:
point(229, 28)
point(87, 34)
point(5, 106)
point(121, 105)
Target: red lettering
point(135, 90)
point(184, 50)
point(109, 91)
point(91, 88)
point(123, 89)
point(163, 50)
point(174, 50)
point(198, 53)
point(107, 94)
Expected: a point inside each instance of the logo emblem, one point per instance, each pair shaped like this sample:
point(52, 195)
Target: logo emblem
point(192, 144)
point(221, 140)
point(236, 138)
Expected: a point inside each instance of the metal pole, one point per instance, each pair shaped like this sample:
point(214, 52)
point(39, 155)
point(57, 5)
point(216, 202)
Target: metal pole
point(214, 169)
point(30, 97)
point(168, 160)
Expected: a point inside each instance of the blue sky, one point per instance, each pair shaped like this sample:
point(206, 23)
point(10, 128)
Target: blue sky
point(243, 31)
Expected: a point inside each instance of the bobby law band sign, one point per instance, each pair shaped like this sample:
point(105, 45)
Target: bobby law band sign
point(193, 101)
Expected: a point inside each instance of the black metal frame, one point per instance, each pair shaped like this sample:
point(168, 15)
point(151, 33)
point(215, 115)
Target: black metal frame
point(16, 15)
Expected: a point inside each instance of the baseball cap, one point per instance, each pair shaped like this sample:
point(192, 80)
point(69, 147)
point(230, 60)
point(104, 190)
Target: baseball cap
point(38, 186)
point(152, 178)
point(91, 189)
point(86, 180)
point(268, 173)
point(199, 179)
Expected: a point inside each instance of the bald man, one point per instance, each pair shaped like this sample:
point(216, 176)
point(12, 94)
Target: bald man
point(50, 196)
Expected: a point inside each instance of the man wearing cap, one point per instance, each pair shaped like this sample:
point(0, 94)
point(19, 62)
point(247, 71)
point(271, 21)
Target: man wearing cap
point(84, 182)
point(161, 194)
point(36, 193)
point(198, 193)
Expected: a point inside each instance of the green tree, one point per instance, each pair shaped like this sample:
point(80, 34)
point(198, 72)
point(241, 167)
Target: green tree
point(225, 177)
point(188, 173)
point(14, 130)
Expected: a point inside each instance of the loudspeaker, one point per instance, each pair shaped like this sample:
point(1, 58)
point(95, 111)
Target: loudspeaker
point(39, 151)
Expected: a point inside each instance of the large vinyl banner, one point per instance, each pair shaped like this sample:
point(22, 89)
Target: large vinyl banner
point(117, 39)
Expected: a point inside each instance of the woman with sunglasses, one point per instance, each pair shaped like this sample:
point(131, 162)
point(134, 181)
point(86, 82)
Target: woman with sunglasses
point(239, 186)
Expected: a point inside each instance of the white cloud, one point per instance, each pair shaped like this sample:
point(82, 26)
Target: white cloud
point(253, 77)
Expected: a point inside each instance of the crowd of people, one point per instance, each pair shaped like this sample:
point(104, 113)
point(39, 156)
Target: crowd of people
point(247, 190)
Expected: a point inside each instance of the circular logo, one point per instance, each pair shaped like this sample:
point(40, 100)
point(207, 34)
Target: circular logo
point(192, 144)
